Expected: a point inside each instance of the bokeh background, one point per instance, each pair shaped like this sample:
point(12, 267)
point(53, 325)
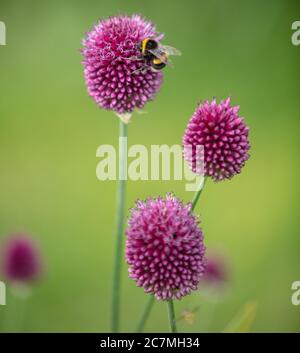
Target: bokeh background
point(50, 130)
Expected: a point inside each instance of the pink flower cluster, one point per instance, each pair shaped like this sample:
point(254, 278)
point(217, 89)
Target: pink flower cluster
point(164, 247)
point(112, 73)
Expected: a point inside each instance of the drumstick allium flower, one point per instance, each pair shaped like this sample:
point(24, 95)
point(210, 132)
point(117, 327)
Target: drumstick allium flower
point(216, 271)
point(224, 136)
point(112, 70)
point(164, 247)
point(20, 259)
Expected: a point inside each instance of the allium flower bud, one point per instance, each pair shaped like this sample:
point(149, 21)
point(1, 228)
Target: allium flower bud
point(112, 71)
point(21, 260)
point(224, 136)
point(164, 247)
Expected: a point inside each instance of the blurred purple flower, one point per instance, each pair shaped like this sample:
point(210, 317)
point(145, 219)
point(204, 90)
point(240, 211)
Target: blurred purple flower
point(224, 136)
point(216, 271)
point(164, 247)
point(21, 259)
point(111, 71)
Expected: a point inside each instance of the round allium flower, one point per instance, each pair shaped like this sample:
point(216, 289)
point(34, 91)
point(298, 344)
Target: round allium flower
point(164, 247)
point(20, 259)
point(224, 137)
point(112, 71)
point(216, 271)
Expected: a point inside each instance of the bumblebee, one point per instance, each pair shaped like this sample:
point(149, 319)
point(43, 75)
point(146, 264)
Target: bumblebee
point(155, 54)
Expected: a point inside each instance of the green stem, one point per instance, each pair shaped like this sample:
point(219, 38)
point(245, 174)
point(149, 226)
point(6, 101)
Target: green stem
point(145, 314)
point(197, 194)
point(172, 319)
point(15, 312)
point(119, 234)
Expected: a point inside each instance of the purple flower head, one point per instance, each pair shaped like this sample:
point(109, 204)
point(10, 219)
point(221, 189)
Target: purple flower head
point(164, 247)
point(113, 75)
point(21, 261)
point(224, 136)
point(216, 271)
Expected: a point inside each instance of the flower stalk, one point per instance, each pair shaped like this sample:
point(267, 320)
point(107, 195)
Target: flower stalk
point(197, 194)
point(172, 318)
point(119, 234)
point(145, 314)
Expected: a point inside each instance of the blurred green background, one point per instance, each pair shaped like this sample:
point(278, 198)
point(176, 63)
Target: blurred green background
point(50, 130)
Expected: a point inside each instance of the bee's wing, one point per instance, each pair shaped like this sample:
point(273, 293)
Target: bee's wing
point(170, 50)
point(159, 53)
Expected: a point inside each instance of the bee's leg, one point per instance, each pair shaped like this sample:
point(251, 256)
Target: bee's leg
point(134, 58)
point(142, 69)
